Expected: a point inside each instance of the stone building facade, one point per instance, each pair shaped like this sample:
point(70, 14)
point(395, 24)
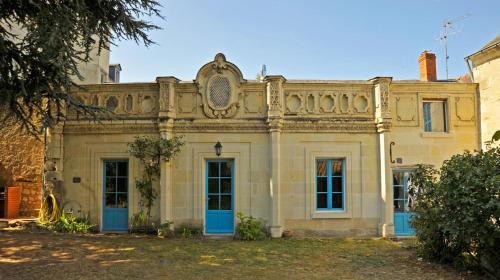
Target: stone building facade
point(310, 156)
point(485, 66)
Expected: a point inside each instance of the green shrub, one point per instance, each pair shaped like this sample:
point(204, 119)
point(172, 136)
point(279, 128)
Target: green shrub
point(68, 222)
point(458, 211)
point(249, 228)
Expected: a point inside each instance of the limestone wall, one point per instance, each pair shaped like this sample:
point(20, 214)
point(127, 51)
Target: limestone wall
point(21, 164)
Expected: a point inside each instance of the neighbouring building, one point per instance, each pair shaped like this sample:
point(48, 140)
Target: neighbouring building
point(21, 154)
point(485, 65)
point(312, 156)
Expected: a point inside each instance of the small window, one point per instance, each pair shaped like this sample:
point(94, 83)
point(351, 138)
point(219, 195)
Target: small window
point(435, 119)
point(330, 189)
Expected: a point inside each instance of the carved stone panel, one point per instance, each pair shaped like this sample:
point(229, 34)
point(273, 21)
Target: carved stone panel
point(465, 110)
point(361, 103)
point(253, 102)
point(294, 103)
point(327, 103)
point(406, 110)
point(186, 102)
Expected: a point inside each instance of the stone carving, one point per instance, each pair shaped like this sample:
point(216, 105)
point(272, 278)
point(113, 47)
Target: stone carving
point(186, 102)
point(219, 84)
point(406, 108)
point(95, 100)
point(274, 96)
point(253, 102)
point(147, 104)
point(311, 106)
point(294, 103)
point(164, 96)
point(344, 103)
point(327, 103)
point(465, 109)
point(112, 103)
point(128, 103)
point(384, 97)
point(361, 103)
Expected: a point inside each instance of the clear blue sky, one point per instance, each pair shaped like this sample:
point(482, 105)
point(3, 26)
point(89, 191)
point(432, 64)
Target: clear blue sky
point(309, 39)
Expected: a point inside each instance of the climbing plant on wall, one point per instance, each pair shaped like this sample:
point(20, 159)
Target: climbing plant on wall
point(150, 151)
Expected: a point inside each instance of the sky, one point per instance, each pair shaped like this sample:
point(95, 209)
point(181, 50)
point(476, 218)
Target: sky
point(310, 39)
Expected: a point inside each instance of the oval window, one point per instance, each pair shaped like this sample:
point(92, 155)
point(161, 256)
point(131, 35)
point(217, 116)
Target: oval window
point(220, 91)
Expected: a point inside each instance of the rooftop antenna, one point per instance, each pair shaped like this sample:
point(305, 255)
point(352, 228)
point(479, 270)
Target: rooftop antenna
point(449, 30)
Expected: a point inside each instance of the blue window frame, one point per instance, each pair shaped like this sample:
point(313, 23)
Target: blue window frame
point(435, 119)
point(330, 184)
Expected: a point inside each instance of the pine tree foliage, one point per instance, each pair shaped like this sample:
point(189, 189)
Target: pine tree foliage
point(38, 65)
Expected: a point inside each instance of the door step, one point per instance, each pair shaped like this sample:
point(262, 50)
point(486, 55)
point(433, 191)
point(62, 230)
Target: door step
point(219, 236)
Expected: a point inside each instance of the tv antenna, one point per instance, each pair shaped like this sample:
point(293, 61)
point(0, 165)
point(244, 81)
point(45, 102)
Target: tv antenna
point(449, 30)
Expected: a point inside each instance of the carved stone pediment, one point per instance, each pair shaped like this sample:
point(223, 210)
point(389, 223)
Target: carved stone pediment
point(219, 84)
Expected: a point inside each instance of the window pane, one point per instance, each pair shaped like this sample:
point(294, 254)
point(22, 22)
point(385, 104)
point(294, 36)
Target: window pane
point(110, 168)
point(225, 202)
point(122, 168)
point(398, 205)
point(110, 184)
point(397, 178)
point(121, 200)
point(213, 185)
point(336, 184)
point(225, 169)
point(322, 184)
point(398, 192)
point(337, 200)
point(321, 200)
point(122, 185)
point(321, 167)
point(437, 116)
point(427, 116)
point(225, 185)
point(111, 200)
point(213, 169)
point(213, 202)
point(336, 167)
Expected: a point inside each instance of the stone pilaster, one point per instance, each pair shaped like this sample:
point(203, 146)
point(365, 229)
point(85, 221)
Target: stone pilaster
point(275, 102)
point(166, 117)
point(383, 122)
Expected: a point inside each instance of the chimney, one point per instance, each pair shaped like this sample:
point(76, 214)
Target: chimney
point(427, 62)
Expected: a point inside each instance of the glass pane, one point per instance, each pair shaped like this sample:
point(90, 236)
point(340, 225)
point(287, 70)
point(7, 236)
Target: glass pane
point(225, 185)
point(336, 184)
point(337, 200)
point(322, 184)
point(122, 185)
point(398, 192)
point(122, 168)
point(336, 167)
point(121, 200)
point(213, 185)
point(321, 165)
point(111, 200)
point(110, 168)
point(225, 202)
point(398, 205)
point(225, 169)
point(397, 178)
point(213, 202)
point(110, 184)
point(213, 169)
point(321, 201)
point(437, 116)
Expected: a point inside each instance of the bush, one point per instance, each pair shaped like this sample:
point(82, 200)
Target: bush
point(249, 228)
point(68, 222)
point(457, 209)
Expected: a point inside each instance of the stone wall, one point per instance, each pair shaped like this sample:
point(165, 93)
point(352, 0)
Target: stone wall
point(21, 164)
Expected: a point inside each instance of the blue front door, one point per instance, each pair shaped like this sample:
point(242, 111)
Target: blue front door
point(115, 196)
point(402, 204)
point(219, 206)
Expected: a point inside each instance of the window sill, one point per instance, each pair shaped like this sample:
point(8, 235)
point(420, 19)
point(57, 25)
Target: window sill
point(331, 214)
point(436, 134)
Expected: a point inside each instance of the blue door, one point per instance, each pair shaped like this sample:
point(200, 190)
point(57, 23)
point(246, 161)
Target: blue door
point(219, 206)
point(402, 204)
point(115, 196)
